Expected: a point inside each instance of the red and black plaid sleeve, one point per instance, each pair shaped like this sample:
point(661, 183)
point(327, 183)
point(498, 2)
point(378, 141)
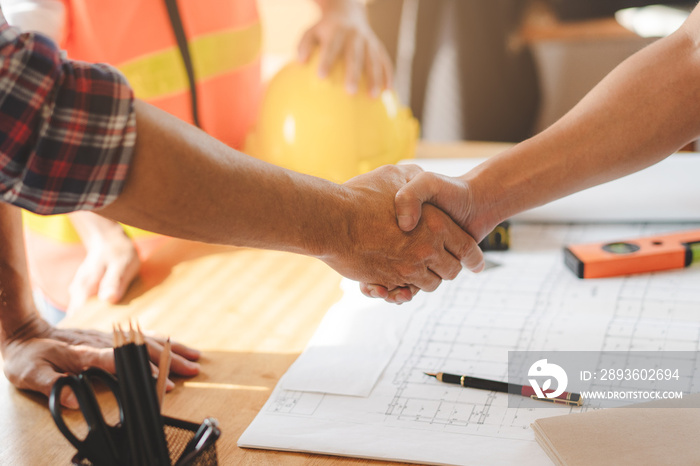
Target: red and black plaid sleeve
point(67, 129)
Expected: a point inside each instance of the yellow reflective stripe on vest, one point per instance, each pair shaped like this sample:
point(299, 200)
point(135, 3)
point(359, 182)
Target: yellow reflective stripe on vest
point(59, 228)
point(163, 73)
point(54, 227)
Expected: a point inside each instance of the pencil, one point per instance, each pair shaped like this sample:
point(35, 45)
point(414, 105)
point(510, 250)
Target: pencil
point(147, 438)
point(149, 401)
point(163, 372)
point(136, 452)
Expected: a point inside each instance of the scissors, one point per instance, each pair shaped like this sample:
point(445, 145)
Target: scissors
point(104, 444)
point(205, 436)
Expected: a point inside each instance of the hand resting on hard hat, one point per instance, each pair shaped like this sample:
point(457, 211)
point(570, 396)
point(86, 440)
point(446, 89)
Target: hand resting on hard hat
point(343, 31)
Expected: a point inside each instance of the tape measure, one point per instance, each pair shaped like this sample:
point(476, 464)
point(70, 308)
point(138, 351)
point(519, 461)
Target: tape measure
point(498, 239)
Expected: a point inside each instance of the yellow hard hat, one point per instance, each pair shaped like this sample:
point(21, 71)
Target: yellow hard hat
point(314, 126)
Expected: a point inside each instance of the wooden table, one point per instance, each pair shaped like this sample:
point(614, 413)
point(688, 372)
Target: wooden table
point(251, 312)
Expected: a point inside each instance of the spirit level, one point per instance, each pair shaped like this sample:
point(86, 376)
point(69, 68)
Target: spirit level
point(648, 254)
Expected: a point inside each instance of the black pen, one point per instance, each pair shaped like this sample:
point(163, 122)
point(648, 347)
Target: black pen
point(571, 399)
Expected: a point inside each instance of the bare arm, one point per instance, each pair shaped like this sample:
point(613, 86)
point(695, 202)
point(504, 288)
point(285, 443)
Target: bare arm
point(184, 183)
point(16, 302)
point(639, 114)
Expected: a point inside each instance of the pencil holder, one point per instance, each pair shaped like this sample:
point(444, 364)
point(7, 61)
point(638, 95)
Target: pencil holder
point(177, 433)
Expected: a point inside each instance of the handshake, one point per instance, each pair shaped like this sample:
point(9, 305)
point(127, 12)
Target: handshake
point(408, 231)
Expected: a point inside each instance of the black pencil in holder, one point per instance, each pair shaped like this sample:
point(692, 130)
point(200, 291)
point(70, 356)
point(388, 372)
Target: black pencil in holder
point(178, 434)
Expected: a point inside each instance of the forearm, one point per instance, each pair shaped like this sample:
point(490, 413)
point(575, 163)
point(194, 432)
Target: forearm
point(639, 114)
point(93, 228)
point(215, 194)
point(16, 301)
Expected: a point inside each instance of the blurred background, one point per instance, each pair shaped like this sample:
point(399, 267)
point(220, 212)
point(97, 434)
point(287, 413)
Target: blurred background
point(496, 70)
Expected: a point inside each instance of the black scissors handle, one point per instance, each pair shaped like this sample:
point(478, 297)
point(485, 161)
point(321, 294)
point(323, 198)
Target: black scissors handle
point(103, 443)
point(205, 436)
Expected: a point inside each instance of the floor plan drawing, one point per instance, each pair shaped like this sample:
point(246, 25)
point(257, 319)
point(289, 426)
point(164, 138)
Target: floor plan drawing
point(529, 301)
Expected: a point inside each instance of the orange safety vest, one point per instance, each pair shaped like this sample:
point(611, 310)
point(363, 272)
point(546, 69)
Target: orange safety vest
point(224, 38)
point(213, 80)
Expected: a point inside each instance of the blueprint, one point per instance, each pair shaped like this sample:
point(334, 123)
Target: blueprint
point(529, 302)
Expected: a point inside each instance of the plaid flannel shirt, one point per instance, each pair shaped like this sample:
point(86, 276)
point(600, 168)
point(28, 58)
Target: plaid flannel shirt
point(67, 128)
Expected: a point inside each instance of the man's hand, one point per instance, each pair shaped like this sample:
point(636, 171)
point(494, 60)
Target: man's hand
point(343, 31)
point(37, 354)
point(381, 253)
point(398, 295)
point(111, 263)
point(452, 196)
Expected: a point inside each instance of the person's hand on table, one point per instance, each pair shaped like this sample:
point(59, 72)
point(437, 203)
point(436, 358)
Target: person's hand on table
point(37, 354)
point(344, 32)
point(111, 263)
point(404, 262)
point(452, 196)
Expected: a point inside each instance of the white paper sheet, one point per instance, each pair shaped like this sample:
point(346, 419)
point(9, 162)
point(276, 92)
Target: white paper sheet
point(357, 336)
point(530, 302)
point(665, 192)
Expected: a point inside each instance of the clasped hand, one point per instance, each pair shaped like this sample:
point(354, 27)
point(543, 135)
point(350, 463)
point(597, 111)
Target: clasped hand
point(392, 263)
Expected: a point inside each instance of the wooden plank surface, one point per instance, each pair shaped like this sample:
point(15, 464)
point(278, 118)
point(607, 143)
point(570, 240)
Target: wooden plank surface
point(251, 312)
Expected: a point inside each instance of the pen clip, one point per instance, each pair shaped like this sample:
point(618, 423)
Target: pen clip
point(559, 400)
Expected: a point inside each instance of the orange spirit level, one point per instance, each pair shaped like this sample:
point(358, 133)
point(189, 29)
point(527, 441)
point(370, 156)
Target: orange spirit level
point(649, 254)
